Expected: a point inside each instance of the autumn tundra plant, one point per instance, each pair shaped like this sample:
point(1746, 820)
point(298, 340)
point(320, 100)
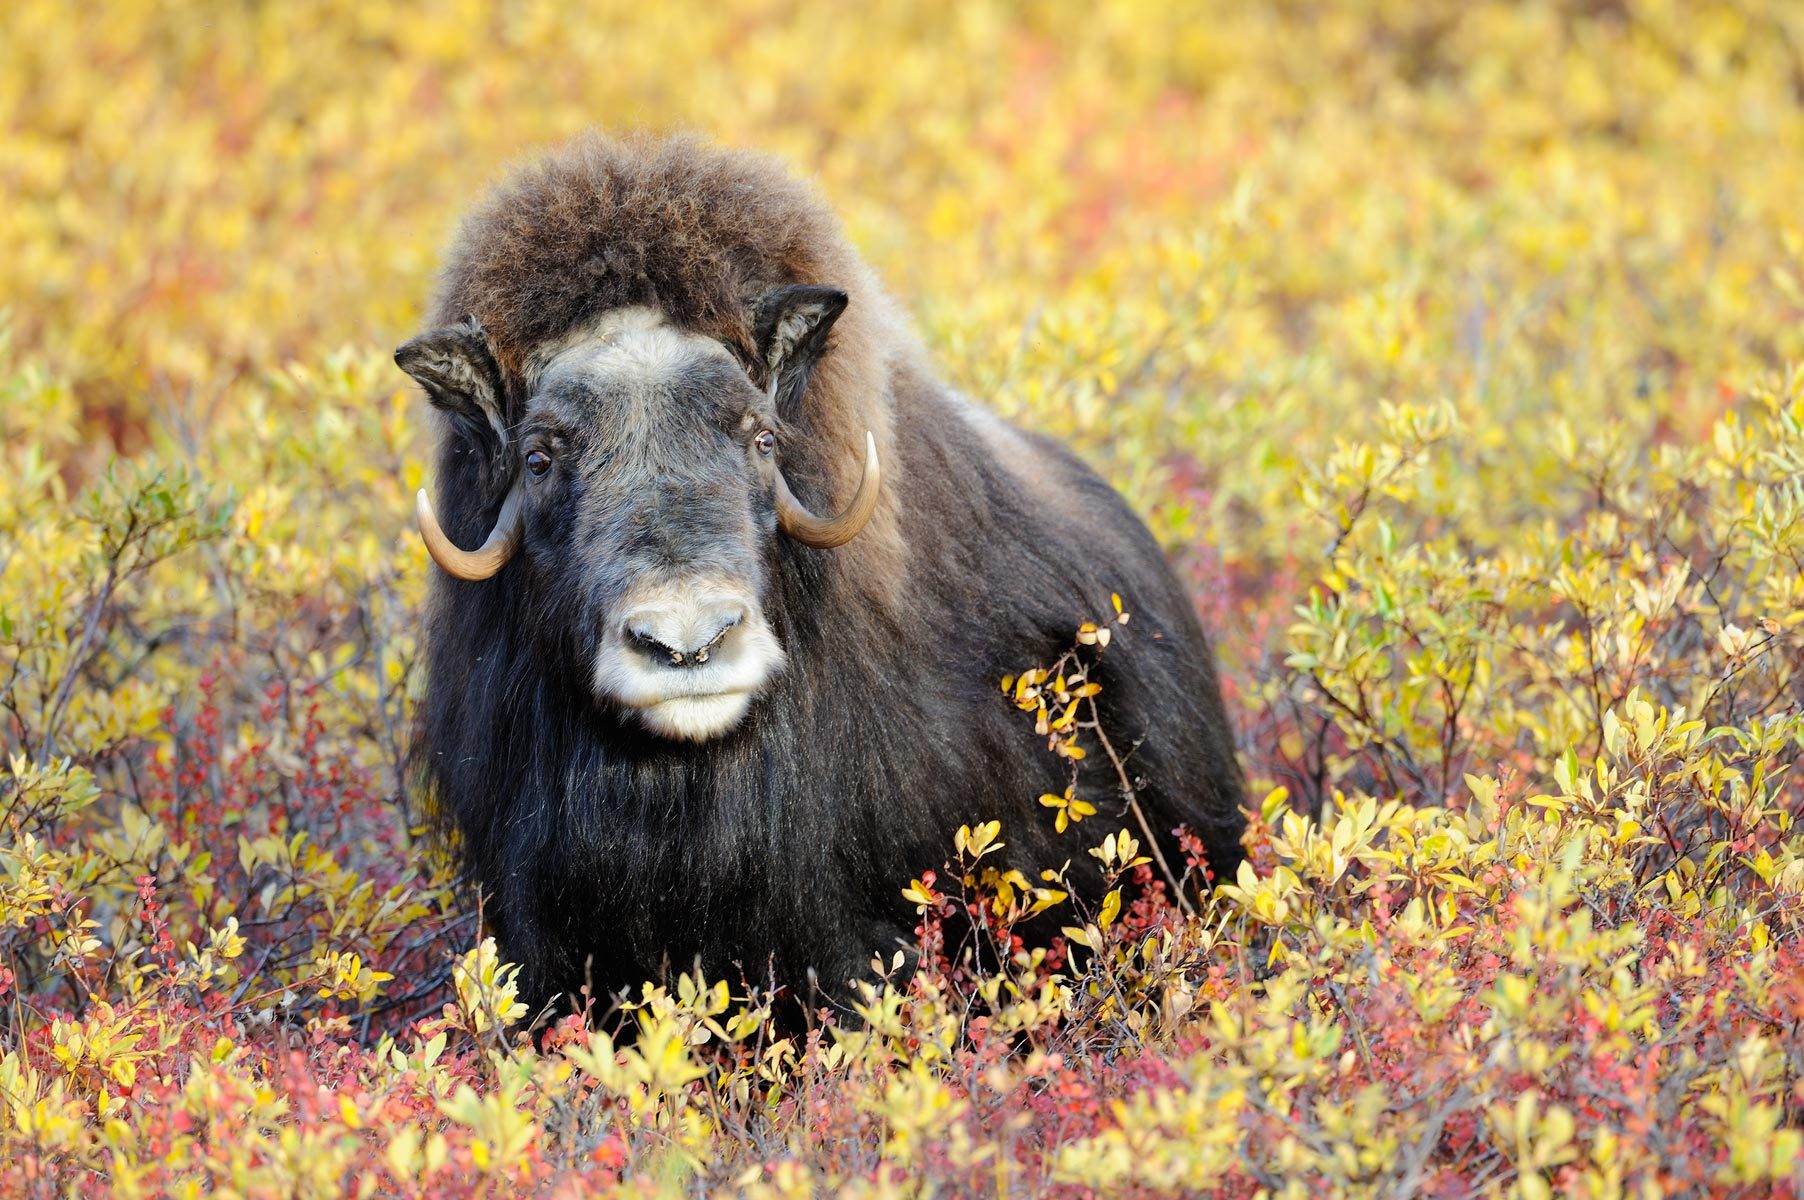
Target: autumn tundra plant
point(1564, 985)
point(1449, 352)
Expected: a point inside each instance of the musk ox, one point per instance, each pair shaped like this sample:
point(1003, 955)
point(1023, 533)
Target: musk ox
point(723, 670)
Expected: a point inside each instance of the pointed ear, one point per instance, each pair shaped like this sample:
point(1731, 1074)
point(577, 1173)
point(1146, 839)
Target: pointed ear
point(790, 325)
point(460, 375)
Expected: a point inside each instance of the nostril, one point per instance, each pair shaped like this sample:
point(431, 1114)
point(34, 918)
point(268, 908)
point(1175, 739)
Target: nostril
point(700, 653)
point(695, 654)
point(651, 647)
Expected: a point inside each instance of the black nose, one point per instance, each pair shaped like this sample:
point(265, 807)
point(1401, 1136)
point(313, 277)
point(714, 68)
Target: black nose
point(678, 656)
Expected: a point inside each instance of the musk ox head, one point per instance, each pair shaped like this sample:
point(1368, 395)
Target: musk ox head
point(642, 463)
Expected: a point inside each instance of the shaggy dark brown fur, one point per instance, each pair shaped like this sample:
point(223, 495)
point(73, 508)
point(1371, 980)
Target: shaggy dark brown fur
point(696, 232)
point(607, 854)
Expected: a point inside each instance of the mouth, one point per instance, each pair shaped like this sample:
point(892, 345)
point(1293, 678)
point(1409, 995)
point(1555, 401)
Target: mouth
point(694, 718)
point(684, 673)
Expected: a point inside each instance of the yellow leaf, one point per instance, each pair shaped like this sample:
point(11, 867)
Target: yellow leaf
point(1111, 908)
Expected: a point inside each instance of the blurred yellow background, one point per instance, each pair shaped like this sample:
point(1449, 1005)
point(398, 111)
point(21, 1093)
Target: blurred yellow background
point(1243, 256)
point(1449, 346)
point(195, 193)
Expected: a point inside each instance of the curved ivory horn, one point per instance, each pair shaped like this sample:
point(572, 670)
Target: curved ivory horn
point(824, 533)
point(482, 562)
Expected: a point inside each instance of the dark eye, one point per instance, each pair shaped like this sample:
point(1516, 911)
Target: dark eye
point(537, 463)
point(766, 441)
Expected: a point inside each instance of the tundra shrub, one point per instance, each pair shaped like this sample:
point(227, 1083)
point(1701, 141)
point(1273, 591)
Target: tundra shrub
point(1452, 348)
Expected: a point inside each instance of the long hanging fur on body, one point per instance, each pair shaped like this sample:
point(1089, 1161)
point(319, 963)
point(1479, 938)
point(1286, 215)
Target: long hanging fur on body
point(607, 855)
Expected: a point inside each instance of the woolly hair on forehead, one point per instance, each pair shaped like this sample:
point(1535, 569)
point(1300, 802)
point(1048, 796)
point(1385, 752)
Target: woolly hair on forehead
point(693, 230)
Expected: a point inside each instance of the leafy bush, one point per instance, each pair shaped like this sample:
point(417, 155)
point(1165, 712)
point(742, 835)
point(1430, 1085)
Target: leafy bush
point(1451, 348)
